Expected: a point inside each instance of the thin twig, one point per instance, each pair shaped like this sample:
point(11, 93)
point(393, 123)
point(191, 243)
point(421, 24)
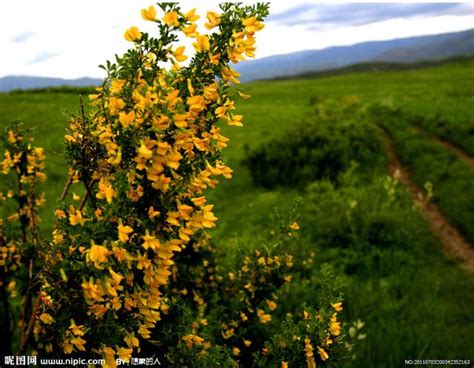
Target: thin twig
point(27, 298)
point(31, 324)
point(66, 188)
point(34, 227)
point(22, 203)
point(82, 110)
point(90, 194)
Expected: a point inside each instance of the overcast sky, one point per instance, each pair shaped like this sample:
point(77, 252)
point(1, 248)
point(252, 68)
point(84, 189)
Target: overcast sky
point(68, 39)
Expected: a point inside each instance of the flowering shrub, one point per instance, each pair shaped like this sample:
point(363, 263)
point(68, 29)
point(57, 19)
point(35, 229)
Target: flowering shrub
point(130, 270)
point(22, 168)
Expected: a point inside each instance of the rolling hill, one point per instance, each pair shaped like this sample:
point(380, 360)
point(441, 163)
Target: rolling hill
point(404, 50)
point(11, 83)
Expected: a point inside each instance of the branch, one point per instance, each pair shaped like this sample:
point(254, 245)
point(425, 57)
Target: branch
point(66, 188)
point(31, 324)
point(89, 194)
point(27, 298)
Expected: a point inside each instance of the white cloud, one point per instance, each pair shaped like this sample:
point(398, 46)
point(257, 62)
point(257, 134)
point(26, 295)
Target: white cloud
point(281, 39)
point(70, 39)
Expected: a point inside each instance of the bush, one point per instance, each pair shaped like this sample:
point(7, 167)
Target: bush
point(335, 134)
point(370, 221)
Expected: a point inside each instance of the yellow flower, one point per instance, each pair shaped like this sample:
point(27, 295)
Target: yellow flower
point(247, 343)
point(295, 226)
point(126, 118)
point(214, 20)
point(67, 347)
point(235, 351)
point(252, 25)
point(46, 319)
point(149, 241)
point(11, 137)
point(152, 213)
point(116, 85)
point(115, 105)
point(171, 19)
point(191, 15)
point(196, 103)
point(79, 343)
point(116, 157)
point(58, 238)
point(133, 34)
point(210, 92)
point(190, 31)
point(191, 339)
point(105, 191)
point(284, 364)
point(337, 306)
point(202, 43)
point(125, 354)
point(75, 218)
point(97, 254)
point(263, 317)
point(144, 152)
point(199, 201)
point(60, 214)
point(41, 176)
point(310, 362)
point(149, 14)
point(230, 75)
point(123, 232)
point(322, 353)
point(334, 326)
point(109, 357)
point(178, 54)
point(236, 120)
point(131, 341)
point(75, 329)
point(271, 304)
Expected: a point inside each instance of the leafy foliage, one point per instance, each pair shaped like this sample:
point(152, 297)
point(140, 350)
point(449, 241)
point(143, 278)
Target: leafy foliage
point(334, 134)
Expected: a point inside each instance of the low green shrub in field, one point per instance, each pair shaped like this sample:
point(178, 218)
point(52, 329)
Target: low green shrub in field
point(334, 134)
point(371, 221)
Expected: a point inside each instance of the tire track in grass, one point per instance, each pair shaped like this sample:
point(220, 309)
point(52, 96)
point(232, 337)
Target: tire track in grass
point(461, 155)
point(458, 152)
point(455, 245)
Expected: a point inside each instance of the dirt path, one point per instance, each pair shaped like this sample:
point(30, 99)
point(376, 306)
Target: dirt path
point(460, 154)
point(453, 242)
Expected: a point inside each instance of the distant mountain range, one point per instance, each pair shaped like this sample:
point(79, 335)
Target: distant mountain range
point(403, 50)
point(13, 82)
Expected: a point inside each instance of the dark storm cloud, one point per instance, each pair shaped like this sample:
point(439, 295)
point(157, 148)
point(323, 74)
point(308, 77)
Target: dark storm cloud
point(356, 14)
point(21, 37)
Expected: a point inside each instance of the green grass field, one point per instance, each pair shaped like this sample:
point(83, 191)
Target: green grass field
point(415, 302)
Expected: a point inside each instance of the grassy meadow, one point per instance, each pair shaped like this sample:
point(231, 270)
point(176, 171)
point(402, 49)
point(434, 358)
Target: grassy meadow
point(415, 301)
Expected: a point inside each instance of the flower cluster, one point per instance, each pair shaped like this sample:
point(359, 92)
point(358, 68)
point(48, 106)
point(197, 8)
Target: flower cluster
point(144, 156)
point(131, 269)
point(22, 168)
